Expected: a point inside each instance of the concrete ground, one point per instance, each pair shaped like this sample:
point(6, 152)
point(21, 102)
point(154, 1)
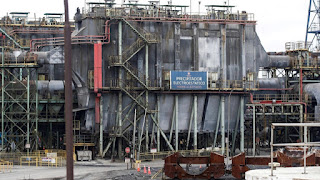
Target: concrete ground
point(98, 169)
point(282, 173)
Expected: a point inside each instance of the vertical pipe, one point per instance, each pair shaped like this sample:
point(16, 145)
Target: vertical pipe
point(254, 131)
point(68, 92)
point(147, 93)
point(177, 122)
point(101, 128)
point(242, 124)
point(28, 109)
point(2, 100)
point(222, 125)
point(158, 128)
point(243, 52)
point(195, 130)
point(271, 151)
point(134, 133)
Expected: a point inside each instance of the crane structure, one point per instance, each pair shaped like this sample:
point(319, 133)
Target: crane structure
point(313, 26)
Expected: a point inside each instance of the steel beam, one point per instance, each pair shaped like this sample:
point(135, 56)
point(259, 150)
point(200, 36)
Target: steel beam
point(190, 126)
point(134, 133)
point(217, 126)
point(172, 121)
point(162, 133)
point(141, 134)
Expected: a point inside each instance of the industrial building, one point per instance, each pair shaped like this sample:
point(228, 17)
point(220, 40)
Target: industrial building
point(153, 78)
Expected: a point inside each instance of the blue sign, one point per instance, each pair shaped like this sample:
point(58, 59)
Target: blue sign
point(188, 80)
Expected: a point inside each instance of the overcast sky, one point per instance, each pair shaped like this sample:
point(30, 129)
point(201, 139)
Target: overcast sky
point(278, 21)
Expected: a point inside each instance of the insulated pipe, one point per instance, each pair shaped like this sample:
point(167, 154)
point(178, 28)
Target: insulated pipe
point(21, 56)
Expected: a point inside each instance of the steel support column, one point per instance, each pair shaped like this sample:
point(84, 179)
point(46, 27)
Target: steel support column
point(28, 110)
point(254, 131)
point(195, 130)
point(222, 125)
point(158, 128)
point(242, 124)
point(2, 100)
point(134, 133)
point(101, 128)
point(120, 93)
point(147, 94)
point(177, 122)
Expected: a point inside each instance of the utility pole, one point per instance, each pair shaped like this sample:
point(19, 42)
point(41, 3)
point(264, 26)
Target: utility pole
point(68, 92)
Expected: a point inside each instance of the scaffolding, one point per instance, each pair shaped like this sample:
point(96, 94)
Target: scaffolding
point(19, 104)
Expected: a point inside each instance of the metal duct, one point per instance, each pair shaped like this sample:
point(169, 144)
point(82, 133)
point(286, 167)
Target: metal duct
point(55, 56)
point(272, 83)
point(279, 61)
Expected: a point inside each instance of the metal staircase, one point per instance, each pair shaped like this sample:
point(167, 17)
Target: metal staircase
point(143, 39)
point(16, 40)
point(142, 33)
point(135, 96)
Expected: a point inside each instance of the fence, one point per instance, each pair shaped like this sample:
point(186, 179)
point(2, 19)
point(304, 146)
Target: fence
point(50, 157)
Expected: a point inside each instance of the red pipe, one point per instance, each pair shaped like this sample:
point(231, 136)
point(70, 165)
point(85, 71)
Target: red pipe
point(89, 39)
point(97, 67)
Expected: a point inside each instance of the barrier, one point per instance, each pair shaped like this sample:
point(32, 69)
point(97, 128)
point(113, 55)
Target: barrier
point(5, 165)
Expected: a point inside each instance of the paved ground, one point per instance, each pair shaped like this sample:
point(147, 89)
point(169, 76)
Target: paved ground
point(99, 169)
point(282, 173)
